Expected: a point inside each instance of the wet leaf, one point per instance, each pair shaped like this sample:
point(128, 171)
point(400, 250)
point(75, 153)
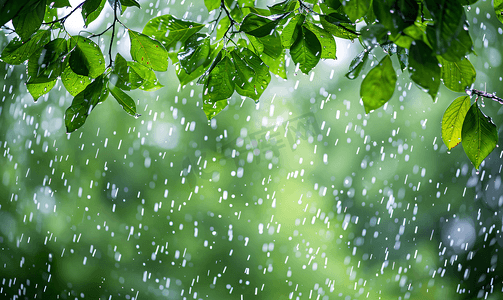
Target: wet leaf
point(16, 52)
point(219, 86)
point(195, 52)
point(327, 41)
point(169, 30)
point(212, 109)
point(47, 63)
point(29, 20)
point(291, 30)
point(356, 9)
point(251, 73)
point(148, 52)
point(283, 7)
point(130, 3)
point(39, 89)
point(306, 50)
point(339, 25)
point(276, 65)
point(74, 83)
point(212, 4)
point(86, 59)
point(457, 76)
point(379, 85)
point(452, 121)
point(479, 135)
point(91, 10)
point(142, 77)
point(272, 44)
point(260, 26)
point(423, 68)
point(125, 101)
point(357, 65)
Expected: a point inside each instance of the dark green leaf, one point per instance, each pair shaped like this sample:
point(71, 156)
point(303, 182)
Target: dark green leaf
point(17, 52)
point(130, 3)
point(40, 89)
point(327, 41)
point(185, 78)
point(125, 101)
point(256, 10)
point(379, 85)
point(333, 4)
point(91, 10)
point(219, 86)
point(252, 74)
point(498, 9)
point(374, 36)
point(195, 52)
point(283, 7)
point(357, 65)
point(260, 26)
point(423, 68)
point(84, 102)
point(170, 30)
point(148, 52)
point(86, 58)
point(306, 50)
point(120, 74)
point(205, 76)
point(388, 15)
point(47, 63)
point(457, 76)
point(142, 77)
point(339, 25)
point(467, 2)
point(60, 3)
point(452, 121)
point(356, 9)
point(479, 135)
point(74, 83)
point(11, 9)
point(29, 20)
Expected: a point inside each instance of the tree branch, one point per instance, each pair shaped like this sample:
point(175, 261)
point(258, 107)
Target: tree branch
point(63, 19)
point(484, 94)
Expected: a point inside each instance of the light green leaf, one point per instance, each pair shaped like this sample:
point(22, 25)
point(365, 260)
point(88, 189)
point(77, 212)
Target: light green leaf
point(357, 65)
point(291, 30)
point(212, 109)
point(423, 68)
point(272, 44)
point(29, 20)
point(195, 52)
point(125, 101)
point(222, 27)
point(479, 135)
point(276, 65)
point(170, 30)
point(212, 4)
point(379, 85)
point(148, 52)
point(39, 89)
point(252, 74)
point(306, 50)
point(327, 41)
point(339, 25)
point(74, 83)
point(142, 77)
point(16, 52)
point(452, 121)
point(457, 76)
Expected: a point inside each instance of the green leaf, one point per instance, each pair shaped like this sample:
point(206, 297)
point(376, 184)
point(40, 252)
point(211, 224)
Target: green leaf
point(479, 135)
point(91, 9)
point(47, 63)
point(272, 44)
point(327, 41)
point(195, 53)
point(498, 9)
point(357, 65)
point(291, 30)
point(457, 76)
point(222, 27)
point(170, 30)
point(74, 83)
point(10, 9)
point(29, 20)
point(40, 89)
point(379, 85)
point(423, 68)
point(148, 52)
point(339, 25)
point(256, 10)
point(283, 7)
point(120, 73)
point(125, 101)
point(185, 78)
point(403, 57)
point(306, 50)
point(86, 58)
point(356, 9)
point(16, 52)
point(276, 65)
point(130, 3)
point(212, 109)
point(219, 86)
point(212, 4)
point(84, 102)
point(260, 26)
point(373, 36)
point(142, 77)
point(251, 73)
point(60, 3)
point(449, 31)
point(452, 121)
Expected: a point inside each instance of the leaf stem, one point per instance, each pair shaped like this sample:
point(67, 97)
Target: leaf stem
point(63, 19)
point(224, 8)
point(113, 33)
point(484, 94)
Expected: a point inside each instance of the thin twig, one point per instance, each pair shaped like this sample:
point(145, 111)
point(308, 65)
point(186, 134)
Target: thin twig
point(63, 19)
point(113, 33)
point(484, 94)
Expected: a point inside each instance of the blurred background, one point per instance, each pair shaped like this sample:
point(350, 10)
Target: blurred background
point(299, 196)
